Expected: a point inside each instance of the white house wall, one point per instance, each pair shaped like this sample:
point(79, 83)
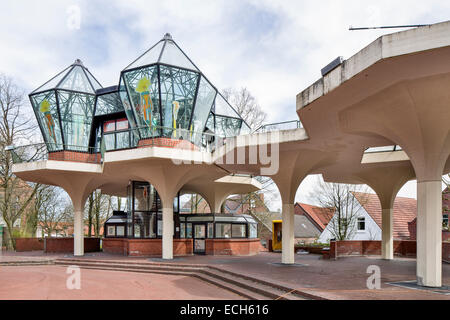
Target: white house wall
point(371, 232)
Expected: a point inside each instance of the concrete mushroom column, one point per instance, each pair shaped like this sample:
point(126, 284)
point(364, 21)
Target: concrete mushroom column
point(78, 192)
point(386, 182)
point(168, 226)
point(168, 179)
point(429, 233)
point(415, 115)
point(293, 168)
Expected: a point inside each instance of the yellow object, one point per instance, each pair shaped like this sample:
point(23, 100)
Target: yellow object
point(143, 85)
point(45, 106)
point(276, 235)
point(175, 108)
point(146, 103)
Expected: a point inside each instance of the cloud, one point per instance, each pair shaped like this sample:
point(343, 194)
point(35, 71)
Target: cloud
point(274, 48)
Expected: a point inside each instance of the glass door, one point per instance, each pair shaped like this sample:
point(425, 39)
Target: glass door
point(199, 236)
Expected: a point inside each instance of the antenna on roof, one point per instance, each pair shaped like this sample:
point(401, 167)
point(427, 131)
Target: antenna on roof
point(167, 36)
point(78, 62)
point(351, 28)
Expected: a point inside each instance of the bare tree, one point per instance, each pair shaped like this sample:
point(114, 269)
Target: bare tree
point(347, 208)
point(15, 126)
point(246, 105)
point(54, 210)
point(97, 211)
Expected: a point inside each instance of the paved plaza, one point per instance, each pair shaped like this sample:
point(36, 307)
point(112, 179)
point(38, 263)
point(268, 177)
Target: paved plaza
point(344, 278)
point(49, 282)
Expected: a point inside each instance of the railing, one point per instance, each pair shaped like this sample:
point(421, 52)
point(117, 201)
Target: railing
point(52, 151)
point(149, 136)
point(158, 136)
point(285, 125)
point(383, 149)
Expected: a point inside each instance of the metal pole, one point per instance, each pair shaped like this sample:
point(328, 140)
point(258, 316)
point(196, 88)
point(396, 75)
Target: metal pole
point(389, 27)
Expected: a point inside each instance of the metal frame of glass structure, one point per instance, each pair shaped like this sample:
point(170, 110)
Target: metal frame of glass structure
point(64, 108)
point(162, 94)
point(143, 219)
point(165, 88)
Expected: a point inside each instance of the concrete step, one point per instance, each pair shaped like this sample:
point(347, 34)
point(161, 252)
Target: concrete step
point(248, 294)
point(246, 286)
point(26, 263)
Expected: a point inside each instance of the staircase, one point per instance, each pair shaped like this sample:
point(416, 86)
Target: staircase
point(245, 286)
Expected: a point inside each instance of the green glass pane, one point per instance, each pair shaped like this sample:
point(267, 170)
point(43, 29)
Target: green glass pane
point(245, 129)
point(178, 88)
point(76, 80)
point(210, 123)
point(123, 95)
point(149, 57)
point(93, 81)
point(52, 83)
point(108, 103)
point(228, 127)
point(223, 108)
point(142, 90)
point(109, 140)
point(204, 101)
point(174, 56)
point(44, 105)
point(123, 140)
point(76, 117)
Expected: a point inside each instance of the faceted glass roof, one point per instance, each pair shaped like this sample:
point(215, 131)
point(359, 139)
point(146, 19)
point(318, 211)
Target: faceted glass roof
point(165, 89)
point(166, 51)
point(162, 92)
point(64, 108)
point(75, 78)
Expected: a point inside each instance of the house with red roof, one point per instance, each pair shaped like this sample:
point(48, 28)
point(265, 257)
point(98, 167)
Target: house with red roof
point(367, 221)
point(318, 216)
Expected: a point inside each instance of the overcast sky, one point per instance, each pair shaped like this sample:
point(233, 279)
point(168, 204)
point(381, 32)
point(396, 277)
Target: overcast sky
point(274, 48)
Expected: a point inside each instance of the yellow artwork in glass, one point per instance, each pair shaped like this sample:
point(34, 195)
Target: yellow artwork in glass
point(146, 103)
point(45, 109)
point(175, 108)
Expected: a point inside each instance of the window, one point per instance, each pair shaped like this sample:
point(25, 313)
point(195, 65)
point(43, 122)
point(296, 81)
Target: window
point(111, 231)
point(182, 230)
point(137, 231)
point(109, 126)
point(120, 231)
point(223, 230)
point(445, 221)
point(122, 124)
point(361, 224)
point(160, 227)
point(210, 230)
point(114, 135)
point(253, 230)
point(239, 231)
point(189, 230)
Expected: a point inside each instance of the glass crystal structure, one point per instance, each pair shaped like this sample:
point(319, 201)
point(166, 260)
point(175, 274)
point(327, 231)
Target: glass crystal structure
point(162, 94)
point(64, 108)
point(165, 92)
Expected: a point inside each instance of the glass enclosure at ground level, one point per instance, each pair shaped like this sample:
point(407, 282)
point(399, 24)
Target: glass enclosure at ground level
point(143, 219)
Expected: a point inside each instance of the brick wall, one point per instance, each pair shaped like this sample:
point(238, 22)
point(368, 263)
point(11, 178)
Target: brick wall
point(65, 245)
point(115, 246)
point(446, 251)
point(446, 236)
point(29, 244)
point(233, 247)
point(405, 248)
point(75, 156)
point(413, 232)
point(145, 247)
point(168, 143)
